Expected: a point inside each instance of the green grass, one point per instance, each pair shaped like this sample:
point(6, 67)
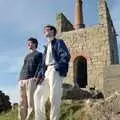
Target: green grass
point(68, 112)
point(10, 115)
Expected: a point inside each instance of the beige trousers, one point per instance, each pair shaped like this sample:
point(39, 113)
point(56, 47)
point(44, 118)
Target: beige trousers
point(26, 102)
point(51, 87)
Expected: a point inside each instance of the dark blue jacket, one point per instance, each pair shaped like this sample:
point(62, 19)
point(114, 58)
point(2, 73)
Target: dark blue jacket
point(61, 56)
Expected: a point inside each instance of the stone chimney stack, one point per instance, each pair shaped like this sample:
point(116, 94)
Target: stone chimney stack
point(78, 15)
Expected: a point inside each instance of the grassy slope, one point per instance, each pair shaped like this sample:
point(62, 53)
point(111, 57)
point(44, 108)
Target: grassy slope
point(68, 112)
point(10, 115)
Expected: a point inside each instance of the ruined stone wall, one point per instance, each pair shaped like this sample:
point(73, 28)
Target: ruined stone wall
point(106, 21)
point(97, 44)
point(91, 44)
point(62, 23)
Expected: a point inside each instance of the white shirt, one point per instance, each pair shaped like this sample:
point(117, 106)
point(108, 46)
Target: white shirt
point(49, 57)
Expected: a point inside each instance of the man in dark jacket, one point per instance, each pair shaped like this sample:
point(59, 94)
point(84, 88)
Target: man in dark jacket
point(27, 84)
point(50, 76)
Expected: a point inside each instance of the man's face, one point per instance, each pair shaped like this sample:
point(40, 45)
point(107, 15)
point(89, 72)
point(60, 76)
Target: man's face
point(48, 32)
point(31, 45)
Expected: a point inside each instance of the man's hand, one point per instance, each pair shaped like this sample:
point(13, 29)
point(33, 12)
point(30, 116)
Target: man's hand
point(38, 80)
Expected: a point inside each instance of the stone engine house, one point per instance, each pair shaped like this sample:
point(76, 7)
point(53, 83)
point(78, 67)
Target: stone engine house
point(94, 52)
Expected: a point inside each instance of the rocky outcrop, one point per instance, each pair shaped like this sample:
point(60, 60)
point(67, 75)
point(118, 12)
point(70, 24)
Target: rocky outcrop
point(107, 109)
point(73, 93)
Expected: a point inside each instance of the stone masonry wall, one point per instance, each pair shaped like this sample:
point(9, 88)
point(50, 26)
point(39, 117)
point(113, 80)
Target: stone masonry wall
point(62, 23)
point(106, 21)
point(97, 44)
point(91, 44)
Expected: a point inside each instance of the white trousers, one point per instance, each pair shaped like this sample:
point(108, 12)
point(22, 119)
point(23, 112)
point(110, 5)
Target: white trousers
point(26, 103)
point(51, 87)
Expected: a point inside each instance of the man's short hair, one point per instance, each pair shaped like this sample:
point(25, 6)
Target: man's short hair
point(34, 41)
point(51, 28)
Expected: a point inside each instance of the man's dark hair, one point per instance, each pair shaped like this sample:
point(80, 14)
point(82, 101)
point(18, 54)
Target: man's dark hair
point(34, 41)
point(51, 28)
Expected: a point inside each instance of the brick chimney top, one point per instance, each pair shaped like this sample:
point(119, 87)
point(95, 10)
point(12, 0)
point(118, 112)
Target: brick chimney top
point(78, 15)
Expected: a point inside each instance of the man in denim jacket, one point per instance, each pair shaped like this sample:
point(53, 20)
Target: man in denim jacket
point(50, 76)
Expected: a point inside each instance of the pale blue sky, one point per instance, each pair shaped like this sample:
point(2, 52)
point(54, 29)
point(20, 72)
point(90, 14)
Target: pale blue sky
point(21, 19)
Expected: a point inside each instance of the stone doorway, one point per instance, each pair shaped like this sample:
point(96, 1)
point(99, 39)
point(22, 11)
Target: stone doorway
point(80, 71)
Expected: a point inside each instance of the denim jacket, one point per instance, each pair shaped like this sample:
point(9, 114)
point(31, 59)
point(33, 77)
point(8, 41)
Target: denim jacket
point(61, 56)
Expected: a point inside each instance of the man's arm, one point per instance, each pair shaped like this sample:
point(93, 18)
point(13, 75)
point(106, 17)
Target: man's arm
point(39, 74)
point(39, 58)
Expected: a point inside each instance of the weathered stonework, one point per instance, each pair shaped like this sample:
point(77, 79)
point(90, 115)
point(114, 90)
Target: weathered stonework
point(96, 44)
point(62, 23)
